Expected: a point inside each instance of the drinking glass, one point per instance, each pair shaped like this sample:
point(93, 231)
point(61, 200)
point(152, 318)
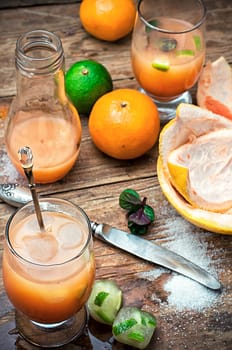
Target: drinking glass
point(48, 275)
point(168, 50)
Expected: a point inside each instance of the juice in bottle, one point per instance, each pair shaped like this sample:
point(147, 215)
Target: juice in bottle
point(54, 141)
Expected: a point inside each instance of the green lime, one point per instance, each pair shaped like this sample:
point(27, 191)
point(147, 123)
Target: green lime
point(85, 82)
point(161, 66)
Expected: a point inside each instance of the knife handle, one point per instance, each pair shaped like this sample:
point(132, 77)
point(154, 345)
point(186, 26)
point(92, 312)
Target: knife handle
point(96, 229)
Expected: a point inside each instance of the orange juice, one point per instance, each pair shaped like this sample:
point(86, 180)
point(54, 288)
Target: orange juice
point(162, 70)
point(54, 142)
point(51, 278)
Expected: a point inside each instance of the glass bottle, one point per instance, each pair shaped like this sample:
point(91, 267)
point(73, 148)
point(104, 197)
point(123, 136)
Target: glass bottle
point(41, 116)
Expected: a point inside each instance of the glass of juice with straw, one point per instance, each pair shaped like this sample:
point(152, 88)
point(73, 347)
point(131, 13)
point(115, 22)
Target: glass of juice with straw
point(48, 274)
point(168, 50)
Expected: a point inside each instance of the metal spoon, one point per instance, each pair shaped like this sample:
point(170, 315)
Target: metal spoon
point(26, 160)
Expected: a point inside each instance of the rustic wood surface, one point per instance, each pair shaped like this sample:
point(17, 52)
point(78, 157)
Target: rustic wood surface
point(96, 182)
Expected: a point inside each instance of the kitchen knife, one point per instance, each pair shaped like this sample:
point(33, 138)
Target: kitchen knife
point(17, 195)
point(153, 253)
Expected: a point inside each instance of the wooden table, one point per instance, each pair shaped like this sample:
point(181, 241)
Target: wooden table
point(185, 320)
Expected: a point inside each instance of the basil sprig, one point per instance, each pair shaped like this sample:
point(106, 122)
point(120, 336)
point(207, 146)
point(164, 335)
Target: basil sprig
point(139, 214)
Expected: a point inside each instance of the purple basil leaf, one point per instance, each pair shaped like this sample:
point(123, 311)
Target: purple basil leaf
point(139, 217)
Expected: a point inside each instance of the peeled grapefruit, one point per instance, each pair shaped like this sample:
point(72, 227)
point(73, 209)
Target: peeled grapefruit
point(201, 170)
point(195, 167)
point(208, 220)
point(191, 121)
point(214, 91)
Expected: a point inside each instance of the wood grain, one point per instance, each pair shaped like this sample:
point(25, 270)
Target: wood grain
point(96, 181)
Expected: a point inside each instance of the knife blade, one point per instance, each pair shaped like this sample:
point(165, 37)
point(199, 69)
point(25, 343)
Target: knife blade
point(153, 253)
point(17, 195)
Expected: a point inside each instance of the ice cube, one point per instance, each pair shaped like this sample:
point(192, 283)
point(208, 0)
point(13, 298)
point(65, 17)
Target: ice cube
point(70, 236)
point(133, 326)
point(31, 225)
point(48, 219)
point(41, 248)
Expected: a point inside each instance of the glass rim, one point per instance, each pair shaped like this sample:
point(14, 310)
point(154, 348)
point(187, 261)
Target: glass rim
point(193, 27)
point(46, 38)
point(46, 199)
point(39, 39)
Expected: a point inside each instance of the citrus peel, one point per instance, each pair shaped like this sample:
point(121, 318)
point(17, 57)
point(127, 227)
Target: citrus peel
point(194, 168)
point(191, 121)
point(201, 170)
point(211, 221)
point(214, 89)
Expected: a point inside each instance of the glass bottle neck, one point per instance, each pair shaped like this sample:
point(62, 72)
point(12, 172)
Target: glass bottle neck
point(39, 53)
point(39, 60)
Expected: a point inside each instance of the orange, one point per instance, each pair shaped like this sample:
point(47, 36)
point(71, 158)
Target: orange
point(108, 20)
point(124, 123)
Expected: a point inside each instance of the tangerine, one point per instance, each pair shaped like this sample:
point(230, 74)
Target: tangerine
point(124, 123)
point(108, 20)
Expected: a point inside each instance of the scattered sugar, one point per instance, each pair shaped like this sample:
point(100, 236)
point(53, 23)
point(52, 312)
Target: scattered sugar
point(188, 294)
point(153, 274)
point(184, 293)
point(8, 172)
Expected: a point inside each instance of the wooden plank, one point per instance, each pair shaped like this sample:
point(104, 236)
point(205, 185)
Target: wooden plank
point(95, 183)
point(18, 3)
point(77, 44)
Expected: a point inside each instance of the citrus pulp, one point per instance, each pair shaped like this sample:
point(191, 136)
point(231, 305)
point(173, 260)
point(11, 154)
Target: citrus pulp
point(214, 90)
point(193, 168)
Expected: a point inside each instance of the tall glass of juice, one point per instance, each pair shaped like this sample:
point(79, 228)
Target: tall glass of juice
point(168, 50)
point(48, 275)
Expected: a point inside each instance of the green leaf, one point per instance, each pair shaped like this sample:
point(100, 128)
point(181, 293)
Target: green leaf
point(166, 44)
point(149, 212)
point(122, 327)
point(197, 41)
point(153, 23)
point(136, 336)
point(137, 229)
point(130, 200)
point(148, 319)
point(139, 215)
point(100, 298)
point(185, 52)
